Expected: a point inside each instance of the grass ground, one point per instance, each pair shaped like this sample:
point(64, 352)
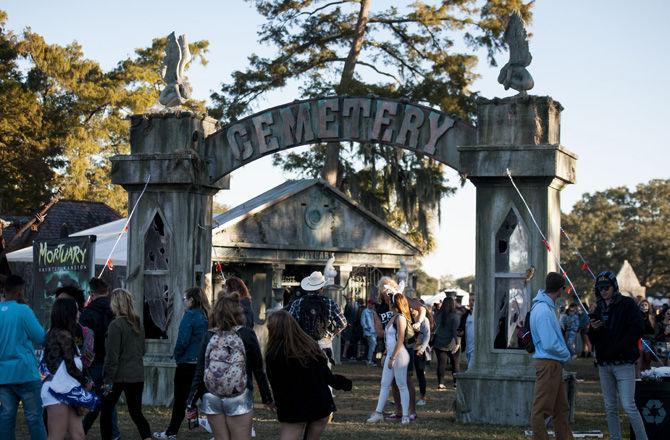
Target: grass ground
point(435, 421)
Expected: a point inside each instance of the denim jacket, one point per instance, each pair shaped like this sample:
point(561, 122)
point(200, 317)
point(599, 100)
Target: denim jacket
point(192, 329)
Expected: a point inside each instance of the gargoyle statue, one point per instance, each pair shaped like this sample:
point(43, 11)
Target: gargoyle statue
point(514, 74)
point(177, 56)
point(329, 272)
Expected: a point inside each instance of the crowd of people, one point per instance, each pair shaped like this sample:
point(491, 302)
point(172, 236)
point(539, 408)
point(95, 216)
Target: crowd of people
point(94, 349)
point(93, 352)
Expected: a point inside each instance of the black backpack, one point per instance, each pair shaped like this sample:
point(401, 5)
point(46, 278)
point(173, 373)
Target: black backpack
point(524, 335)
point(313, 316)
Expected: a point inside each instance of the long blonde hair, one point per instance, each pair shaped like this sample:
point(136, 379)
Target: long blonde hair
point(387, 287)
point(121, 303)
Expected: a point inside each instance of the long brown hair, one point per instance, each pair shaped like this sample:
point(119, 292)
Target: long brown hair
point(227, 312)
point(234, 284)
point(448, 307)
point(401, 306)
point(121, 303)
point(287, 340)
point(200, 301)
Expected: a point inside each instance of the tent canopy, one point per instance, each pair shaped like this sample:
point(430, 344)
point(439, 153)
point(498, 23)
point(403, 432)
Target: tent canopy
point(106, 234)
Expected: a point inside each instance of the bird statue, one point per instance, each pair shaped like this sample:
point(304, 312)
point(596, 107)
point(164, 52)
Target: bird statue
point(329, 272)
point(530, 273)
point(177, 56)
point(514, 74)
point(401, 275)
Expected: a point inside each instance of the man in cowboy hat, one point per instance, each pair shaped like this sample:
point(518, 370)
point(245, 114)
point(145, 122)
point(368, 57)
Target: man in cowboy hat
point(320, 317)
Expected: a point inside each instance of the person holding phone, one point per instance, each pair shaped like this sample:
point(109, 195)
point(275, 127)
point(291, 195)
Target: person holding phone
point(615, 328)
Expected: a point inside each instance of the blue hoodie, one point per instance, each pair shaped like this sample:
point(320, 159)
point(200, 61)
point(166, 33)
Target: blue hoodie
point(19, 330)
point(546, 331)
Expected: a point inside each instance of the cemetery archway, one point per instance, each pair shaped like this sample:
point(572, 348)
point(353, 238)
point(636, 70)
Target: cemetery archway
point(395, 123)
point(185, 160)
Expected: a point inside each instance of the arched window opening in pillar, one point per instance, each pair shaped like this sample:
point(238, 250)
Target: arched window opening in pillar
point(158, 298)
point(512, 294)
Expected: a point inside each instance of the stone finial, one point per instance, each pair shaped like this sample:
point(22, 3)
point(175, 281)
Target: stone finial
point(177, 56)
point(514, 74)
point(329, 272)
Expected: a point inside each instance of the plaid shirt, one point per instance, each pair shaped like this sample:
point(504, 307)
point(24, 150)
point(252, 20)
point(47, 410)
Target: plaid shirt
point(336, 320)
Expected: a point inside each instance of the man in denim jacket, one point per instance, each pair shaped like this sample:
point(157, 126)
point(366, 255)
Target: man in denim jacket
point(551, 352)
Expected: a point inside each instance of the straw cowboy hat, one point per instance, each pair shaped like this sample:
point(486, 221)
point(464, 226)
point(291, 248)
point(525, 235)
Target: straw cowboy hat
point(313, 282)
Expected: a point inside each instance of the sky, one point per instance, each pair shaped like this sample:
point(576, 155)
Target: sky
point(605, 61)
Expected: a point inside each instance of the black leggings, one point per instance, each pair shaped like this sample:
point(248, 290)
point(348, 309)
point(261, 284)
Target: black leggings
point(133, 393)
point(420, 367)
point(183, 376)
point(442, 356)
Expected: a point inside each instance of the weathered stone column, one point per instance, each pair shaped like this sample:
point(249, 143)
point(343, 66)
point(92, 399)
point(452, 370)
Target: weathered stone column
point(169, 236)
point(522, 134)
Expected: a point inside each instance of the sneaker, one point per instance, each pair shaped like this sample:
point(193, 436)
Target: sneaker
point(441, 387)
point(393, 416)
point(405, 420)
point(370, 364)
point(164, 436)
point(412, 417)
point(421, 402)
point(375, 418)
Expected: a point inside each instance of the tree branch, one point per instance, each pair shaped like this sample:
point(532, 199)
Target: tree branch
point(327, 5)
point(398, 58)
point(373, 67)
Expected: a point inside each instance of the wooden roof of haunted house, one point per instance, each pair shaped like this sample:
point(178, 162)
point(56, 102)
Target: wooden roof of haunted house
point(303, 222)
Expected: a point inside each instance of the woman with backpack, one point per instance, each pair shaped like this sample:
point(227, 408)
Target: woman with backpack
point(66, 389)
point(229, 355)
point(299, 376)
point(446, 342)
point(124, 365)
point(397, 359)
point(192, 329)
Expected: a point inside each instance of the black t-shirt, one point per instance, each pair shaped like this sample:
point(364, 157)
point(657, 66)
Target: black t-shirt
point(385, 313)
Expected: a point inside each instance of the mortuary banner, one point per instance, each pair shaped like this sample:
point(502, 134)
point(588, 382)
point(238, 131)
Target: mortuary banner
point(61, 262)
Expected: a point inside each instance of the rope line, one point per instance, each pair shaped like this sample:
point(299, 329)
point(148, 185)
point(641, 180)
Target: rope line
point(125, 226)
point(546, 244)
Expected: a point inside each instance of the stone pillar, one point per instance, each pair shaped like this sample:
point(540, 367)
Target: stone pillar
point(522, 134)
point(169, 236)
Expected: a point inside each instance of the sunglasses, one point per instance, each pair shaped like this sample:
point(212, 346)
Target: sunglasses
point(601, 288)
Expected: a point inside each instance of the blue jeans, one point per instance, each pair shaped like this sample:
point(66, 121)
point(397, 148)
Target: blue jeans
point(29, 394)
point(620, 380)
point(96, 372)
point(372, 344)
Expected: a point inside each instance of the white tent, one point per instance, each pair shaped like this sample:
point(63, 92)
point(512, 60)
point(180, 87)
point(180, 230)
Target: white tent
point(461, 296)
point(106, 234)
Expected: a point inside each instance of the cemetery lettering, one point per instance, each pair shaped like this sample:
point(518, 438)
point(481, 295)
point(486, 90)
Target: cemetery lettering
point(339, 118)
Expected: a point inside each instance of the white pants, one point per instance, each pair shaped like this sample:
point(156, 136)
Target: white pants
point(399, 371)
